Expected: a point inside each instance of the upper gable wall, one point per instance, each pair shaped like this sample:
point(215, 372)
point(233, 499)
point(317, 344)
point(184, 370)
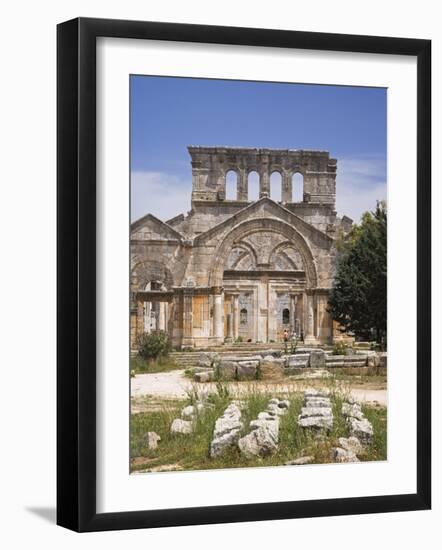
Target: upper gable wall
point(211, 164)
point(150, 228)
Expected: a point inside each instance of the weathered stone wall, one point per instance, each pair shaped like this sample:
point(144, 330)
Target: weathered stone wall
point(227, 257)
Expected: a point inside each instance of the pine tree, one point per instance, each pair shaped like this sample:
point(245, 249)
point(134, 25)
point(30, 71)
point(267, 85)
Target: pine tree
point(358, 300)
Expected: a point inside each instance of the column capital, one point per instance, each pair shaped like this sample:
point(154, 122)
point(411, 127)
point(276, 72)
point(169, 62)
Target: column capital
point(216, 290)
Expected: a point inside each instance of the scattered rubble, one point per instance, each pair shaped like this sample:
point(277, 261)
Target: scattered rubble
point(263, 437)
point(316, 412)
point(180, 426)
point(152, 439)
point(360, 427)
point(227, 430)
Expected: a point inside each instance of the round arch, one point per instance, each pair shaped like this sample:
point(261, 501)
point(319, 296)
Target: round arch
point(268, 224)
point(145, 272)
point(282, 247)
point(247, 249)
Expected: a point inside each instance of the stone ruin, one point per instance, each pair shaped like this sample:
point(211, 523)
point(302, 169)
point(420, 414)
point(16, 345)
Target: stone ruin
point(270, 363)
point(263, 437)
point(185, 424)
point(317, 411)
point(262, 440)
point(360, 427)
point(227, 430)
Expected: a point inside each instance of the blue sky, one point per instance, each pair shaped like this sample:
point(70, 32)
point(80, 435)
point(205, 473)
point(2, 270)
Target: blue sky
point(167, 114)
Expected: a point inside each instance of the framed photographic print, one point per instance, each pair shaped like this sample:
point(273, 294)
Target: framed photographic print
point(240, 337)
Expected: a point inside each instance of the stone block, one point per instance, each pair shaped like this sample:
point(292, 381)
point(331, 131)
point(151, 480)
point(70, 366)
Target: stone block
point(297, 361)
point(351, 444)
point(246, 370)
point(206, 376)
point(315, 411)
point(317, 422)
point(343, 455)
point(227, 430)
point(152, 439)
point(361, 429)
point(259, 442)
point(317, 359)
point(270, 370)
point(227, 370)
point(180, 426)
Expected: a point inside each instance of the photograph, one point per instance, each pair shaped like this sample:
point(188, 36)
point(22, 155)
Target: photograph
point(258, 274)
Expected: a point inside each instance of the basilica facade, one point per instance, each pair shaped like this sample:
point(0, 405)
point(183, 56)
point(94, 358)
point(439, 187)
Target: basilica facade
point(236, 269)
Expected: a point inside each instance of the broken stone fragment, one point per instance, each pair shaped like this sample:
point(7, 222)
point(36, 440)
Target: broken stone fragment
point(226, 431)
point(353, 410)
point(259, 442)
point(223, 442)
point(319, 422)
point(152, 439)
point(343, 455)
point(188, 412)
point(315, 411)
point(279, 411)
point(317, 402)
point(351, 444)
point(180, 426)
point(316, 393)
point(206, 376)
point(362, 430)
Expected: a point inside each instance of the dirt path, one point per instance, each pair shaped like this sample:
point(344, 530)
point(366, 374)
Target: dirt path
point(174, 384)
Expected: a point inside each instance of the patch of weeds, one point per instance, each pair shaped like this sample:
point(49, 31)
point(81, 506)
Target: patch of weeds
point(138, 365)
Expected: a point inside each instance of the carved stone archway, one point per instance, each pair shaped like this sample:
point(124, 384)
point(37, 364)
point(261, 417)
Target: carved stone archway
point(262, 224)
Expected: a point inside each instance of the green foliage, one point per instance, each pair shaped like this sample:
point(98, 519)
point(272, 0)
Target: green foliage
point(339, 348)
point(358, 301)
point(239, 339)
point(139, 365)
point(154, 345)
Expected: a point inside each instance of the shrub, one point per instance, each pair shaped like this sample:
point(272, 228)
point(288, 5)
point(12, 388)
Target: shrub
point(154, 345)
point(239, 339)
point(339, 348)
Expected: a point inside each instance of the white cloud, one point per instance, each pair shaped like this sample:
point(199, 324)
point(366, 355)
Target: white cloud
point(359, 184)
point(160, 194)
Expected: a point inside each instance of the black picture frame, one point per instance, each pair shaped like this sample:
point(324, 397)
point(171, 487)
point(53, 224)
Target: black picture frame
point(76, 274)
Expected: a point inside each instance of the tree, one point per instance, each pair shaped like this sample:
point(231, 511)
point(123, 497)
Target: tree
point(358, 301)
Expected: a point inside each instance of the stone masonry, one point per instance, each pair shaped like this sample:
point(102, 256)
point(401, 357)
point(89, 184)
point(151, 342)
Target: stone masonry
point(234, 269)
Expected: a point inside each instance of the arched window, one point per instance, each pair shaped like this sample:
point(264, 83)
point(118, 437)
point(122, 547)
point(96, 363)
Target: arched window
point(285, 316)
point(231, 185)
point(243, 316)
point(297, 187)
point(276, 186)
point(253, 186)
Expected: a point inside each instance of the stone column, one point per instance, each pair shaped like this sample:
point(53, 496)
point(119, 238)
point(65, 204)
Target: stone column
point(310, 317)
point(187, 318)
point(264, 184)
point(235, 309)
point(293, 310)
point(162, 316)
point(218, 328)
point(140, 318)
point(242, 192)
point(286, 195)
point(229, 337)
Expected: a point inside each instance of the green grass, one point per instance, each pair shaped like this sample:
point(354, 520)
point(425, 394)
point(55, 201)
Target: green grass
point(191, 452)
point(163, 364)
